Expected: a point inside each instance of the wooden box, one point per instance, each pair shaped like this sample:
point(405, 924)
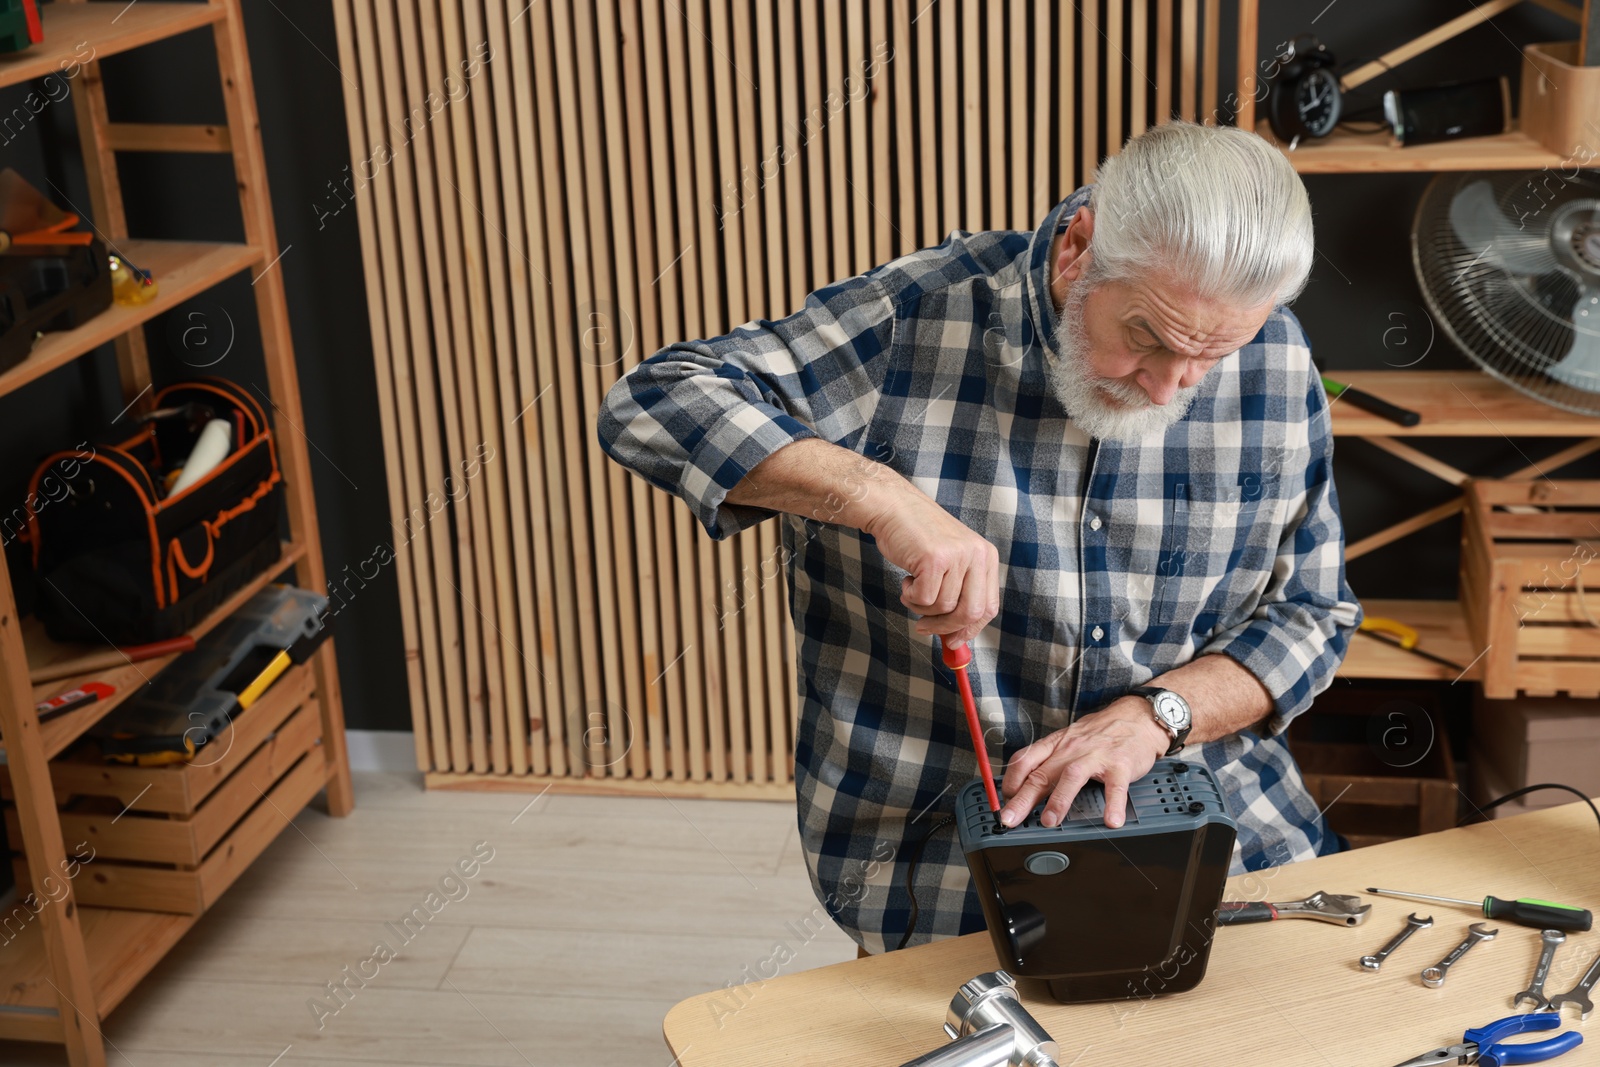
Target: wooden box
point(1381, 771)
point(1560, 101)
point(1530, 585)
point(172, 838)
point(1535, 739)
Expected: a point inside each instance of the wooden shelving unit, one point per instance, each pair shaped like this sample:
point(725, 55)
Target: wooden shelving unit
point(1452, 403)
point(67, 968)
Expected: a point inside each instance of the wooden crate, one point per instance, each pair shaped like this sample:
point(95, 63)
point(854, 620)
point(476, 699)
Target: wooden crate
point(1525, 548)
point(1368, 794)
point(173, 838)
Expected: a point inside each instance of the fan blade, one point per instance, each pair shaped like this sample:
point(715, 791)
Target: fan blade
point(1580, 367)
point(1495, 240)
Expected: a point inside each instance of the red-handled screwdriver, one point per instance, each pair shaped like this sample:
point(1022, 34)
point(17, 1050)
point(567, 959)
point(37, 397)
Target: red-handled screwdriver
point(957, 659)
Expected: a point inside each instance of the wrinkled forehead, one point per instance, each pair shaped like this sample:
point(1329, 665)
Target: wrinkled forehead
point(1179, 316)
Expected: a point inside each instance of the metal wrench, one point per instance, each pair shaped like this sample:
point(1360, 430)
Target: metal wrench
point(1579, 994)
point(1535, 992)
point(1413, 924)
point(1433, 977)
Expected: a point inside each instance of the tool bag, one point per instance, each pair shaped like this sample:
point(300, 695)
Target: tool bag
point(117, 560)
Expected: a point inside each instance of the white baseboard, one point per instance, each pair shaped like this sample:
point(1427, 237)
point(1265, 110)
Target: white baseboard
point(381, 750)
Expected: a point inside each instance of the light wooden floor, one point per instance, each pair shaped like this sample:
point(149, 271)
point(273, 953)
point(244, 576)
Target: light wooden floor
point(595, 916)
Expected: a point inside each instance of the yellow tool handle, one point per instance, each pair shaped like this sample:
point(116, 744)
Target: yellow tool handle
point(253, 691)
point(1379, 624)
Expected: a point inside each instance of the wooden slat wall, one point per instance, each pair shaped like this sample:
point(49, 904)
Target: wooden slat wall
point(620, 174)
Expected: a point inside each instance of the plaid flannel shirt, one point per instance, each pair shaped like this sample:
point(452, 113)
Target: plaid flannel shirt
point(1118, 560)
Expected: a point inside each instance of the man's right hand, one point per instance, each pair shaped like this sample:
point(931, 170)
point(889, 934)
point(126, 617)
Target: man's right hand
point(953, 574)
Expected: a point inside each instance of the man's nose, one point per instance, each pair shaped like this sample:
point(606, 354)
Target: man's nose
point(1161, 379)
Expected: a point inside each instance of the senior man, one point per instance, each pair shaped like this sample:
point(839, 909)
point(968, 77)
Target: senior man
point(1099, 453)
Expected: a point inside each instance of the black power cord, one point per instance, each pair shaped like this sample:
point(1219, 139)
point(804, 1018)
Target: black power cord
point(1514, 794)
point(911, 875)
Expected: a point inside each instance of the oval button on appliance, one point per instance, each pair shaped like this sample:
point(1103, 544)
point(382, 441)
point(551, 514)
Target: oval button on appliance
point(1046, 863)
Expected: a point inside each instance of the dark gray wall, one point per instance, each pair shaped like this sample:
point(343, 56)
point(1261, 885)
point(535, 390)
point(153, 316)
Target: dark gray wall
point(1362, 289)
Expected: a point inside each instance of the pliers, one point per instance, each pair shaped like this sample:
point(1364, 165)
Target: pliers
point(1480, 1046)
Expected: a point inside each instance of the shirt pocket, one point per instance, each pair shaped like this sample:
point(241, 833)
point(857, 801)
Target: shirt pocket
point(1220, 529)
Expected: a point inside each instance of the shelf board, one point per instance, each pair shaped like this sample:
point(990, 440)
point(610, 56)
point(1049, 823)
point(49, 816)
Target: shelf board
point(108, 28)
point(183, 268)
point(1347, 152)
point(61, 731)
point(1453, 403)
point(122, 947)
point(1441, 629)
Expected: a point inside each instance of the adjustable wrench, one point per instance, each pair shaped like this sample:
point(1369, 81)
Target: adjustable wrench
point(1579, 994)
point(1337, 908)
point(1535, 992)
point(1413, 924)
point(1434, 976)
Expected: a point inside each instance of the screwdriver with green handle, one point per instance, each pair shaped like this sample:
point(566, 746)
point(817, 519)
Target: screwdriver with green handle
point(1539, 914)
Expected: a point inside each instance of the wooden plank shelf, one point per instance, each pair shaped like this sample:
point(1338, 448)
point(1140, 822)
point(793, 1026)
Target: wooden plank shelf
point(61, 731)
point(1441, 627)
point(183, 269)
point(1349, 152)
point(106, 27)
point(1453, 403)
point(122, 947)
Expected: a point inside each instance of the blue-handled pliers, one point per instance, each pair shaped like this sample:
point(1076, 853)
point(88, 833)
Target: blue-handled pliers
point(1481, 1046)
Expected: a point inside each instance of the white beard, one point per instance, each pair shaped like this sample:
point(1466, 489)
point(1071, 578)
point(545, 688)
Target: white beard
point(1077, 387)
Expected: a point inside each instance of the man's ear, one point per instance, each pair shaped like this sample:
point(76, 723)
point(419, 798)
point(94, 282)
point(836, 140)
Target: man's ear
point(1072, 258)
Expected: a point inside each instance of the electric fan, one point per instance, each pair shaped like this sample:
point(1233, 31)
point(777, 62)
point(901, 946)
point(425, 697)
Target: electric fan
point(1509, 264)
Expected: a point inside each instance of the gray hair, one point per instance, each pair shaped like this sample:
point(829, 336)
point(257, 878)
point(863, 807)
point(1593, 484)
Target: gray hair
point(1216, 205)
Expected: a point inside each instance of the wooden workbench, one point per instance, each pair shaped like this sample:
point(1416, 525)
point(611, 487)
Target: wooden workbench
point(1276, 993)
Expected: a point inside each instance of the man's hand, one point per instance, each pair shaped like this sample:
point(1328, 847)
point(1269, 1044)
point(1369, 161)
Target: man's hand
point(953, 578)
point(1115, 746)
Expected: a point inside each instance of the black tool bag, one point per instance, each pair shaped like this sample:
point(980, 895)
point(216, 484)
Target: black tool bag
point(118, 561)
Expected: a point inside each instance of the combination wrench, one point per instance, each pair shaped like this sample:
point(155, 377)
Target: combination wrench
point(1413, 924)
point(1579, 994)
point(1535, 992)
point(1434, 976)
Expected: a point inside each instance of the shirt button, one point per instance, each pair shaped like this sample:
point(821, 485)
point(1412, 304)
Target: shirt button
point(1094, 523)
point(1098, 633)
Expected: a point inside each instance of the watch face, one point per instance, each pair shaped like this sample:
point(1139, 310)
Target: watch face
point(1172, 711)
point(1316, 101)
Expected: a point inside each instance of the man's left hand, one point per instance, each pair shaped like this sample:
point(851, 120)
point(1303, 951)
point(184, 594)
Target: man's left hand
point(1116, 745)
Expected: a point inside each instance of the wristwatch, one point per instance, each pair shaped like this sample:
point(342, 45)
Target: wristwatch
point(1171, 711)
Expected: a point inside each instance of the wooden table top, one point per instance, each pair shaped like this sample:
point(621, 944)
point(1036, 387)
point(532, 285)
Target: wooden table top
point(1275, 993)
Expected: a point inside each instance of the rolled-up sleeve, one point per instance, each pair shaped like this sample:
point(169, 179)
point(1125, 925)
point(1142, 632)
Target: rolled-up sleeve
point(1301, 627)
point(696, 417)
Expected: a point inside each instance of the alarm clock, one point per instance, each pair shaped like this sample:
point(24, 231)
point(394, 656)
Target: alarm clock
point(1304, 99)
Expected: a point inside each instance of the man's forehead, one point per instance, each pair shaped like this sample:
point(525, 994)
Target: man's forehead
point(1183, 319)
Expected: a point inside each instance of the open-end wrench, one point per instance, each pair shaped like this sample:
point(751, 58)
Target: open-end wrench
point(1433, 977)
point(1579, 994)
point(1413, 924)
point(1535, 992)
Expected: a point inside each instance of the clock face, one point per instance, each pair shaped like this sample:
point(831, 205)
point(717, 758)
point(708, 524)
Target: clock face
point(1170, 709)
point(1316, 100)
